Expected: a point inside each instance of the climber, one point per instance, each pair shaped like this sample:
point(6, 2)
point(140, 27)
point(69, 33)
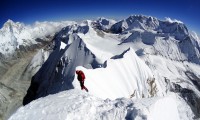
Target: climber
point(81, 78)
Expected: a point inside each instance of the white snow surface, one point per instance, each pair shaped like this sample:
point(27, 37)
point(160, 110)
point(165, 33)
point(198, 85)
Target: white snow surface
point(79, 105)
point(120, 78)
point(63, 45)
point(103, 46)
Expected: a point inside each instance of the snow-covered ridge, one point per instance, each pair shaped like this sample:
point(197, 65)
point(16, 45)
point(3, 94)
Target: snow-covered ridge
point(78, 105)
point(127, 76)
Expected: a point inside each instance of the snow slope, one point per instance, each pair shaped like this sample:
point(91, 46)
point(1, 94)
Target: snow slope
point(79, 105)
point(122, 76)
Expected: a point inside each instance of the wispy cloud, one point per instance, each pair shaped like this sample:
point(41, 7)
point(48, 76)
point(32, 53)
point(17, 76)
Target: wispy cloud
point(172, 20)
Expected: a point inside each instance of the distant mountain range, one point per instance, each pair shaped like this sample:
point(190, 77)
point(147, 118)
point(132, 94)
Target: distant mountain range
point(139, 58)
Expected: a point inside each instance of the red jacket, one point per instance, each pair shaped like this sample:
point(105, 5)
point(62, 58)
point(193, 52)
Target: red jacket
point(81, 75)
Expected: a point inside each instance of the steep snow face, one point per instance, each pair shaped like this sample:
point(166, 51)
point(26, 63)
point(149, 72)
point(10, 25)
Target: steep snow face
point(178, 30)
point(78, 105)
point(171, 48)
point(125, 75)
point(13, 34)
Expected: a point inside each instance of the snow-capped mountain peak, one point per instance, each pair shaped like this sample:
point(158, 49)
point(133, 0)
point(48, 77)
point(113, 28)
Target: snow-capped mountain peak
point(9, 23)
point(14, 34)
point(12, 27)
point(149, 23)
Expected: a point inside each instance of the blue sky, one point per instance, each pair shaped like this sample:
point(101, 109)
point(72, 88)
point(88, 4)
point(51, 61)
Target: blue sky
point(29, 11)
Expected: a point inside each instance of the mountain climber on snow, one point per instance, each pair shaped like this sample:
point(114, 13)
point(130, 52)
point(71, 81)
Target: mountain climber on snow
point(81, 79)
